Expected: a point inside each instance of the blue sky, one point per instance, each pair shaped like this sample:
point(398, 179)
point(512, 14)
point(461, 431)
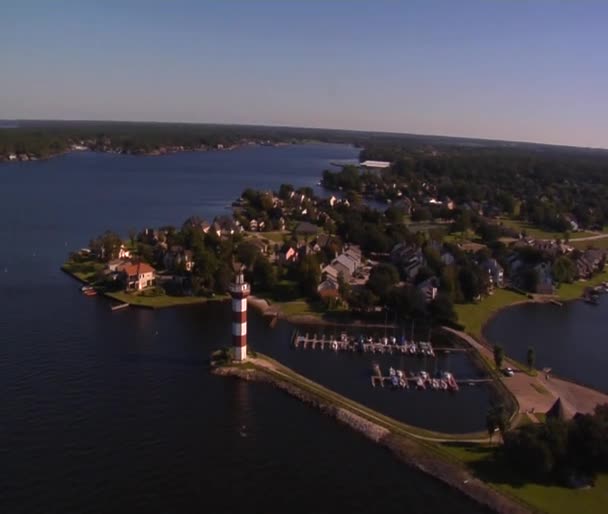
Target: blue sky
point(531, 70)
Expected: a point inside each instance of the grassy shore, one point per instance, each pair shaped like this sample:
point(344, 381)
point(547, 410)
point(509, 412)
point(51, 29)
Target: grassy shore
point(162, 301)
point(473, 316)
point(575, 290)
point(86, 271)
point(548, 498)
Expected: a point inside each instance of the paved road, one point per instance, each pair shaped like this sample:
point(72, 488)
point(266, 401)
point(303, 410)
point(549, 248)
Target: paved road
point(586, 238)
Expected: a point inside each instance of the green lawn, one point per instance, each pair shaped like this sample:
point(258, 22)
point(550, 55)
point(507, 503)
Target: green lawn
point(575, 290)
point(276, 236)
point(551, 499)
point(162, 301)
point(539, 233)
point(84, 270)
point(474, 315)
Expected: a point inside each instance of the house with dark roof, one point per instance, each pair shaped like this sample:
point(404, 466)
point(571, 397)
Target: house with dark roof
point(408, 258)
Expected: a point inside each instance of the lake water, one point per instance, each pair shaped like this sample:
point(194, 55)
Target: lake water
point(571, 340)
point(103, 411)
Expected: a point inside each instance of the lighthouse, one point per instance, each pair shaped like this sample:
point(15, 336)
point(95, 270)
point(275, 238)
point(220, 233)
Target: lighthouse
point(239, 291)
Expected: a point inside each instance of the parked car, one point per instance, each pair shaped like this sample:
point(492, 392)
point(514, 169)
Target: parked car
point(508, 372)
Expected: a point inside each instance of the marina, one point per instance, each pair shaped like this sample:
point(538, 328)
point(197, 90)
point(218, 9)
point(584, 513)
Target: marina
point(398, 379)
point(390, 345)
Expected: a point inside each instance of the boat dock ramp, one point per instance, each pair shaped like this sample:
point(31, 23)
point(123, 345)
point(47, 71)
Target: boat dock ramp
point(362, 344)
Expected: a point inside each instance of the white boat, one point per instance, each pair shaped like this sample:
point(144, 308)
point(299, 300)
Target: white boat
point(443, 385)
point(334, 345)
point(420, 383)
point(435, 384)
point(391, 372)
point(402, 383)
point(424, 375)
point(400, 373)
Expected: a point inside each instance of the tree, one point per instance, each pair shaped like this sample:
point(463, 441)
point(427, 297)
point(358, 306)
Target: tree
point(382, 278)
point(362, 299)
point(469, 283)
point(344, 288)
point(309, 274)
point(132, 236)
point(530, 279)
point(499, 355)
point(496, 418)
point(442, 308)
point(247, 253)
point(531, 357)
point(264, 275)
point(564, 270)
point(490, 425)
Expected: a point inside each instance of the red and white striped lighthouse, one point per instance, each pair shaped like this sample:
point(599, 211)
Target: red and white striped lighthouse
point(239, 290)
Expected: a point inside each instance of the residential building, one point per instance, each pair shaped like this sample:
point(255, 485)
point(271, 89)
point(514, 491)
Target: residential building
point(137, 276)
point(408, 258)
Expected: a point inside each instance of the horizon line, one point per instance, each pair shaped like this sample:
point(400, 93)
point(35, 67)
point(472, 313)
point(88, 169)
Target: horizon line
point(308, 127)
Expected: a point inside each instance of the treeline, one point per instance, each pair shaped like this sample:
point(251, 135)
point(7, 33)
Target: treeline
point(560, 451)
point(544, 185)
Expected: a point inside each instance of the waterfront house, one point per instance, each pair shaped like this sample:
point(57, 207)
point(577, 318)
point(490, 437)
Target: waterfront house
point(589, 262)
point(137, 276)
point(495, 272)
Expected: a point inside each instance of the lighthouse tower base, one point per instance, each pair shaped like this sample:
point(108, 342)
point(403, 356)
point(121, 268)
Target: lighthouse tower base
point(240, 353)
